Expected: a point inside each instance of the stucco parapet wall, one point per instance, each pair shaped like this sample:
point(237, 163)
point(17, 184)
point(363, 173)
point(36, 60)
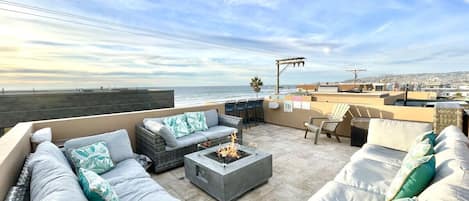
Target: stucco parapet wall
point(365, 94)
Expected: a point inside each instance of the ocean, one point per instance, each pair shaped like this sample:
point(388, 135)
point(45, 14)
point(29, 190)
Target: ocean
point(184, 96)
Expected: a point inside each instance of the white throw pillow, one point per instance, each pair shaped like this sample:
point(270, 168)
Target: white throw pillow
point(42, 135)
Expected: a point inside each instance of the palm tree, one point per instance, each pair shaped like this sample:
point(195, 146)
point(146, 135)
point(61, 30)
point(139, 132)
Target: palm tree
point(256, 84)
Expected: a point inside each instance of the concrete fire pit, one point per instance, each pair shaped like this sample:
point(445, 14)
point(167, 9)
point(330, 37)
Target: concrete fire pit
point(227, 181)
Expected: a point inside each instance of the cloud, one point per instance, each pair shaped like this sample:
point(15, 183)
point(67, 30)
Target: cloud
point(226, 42)
point(272, 4)
point(138, 5)
point(8, 49)
point(382, 28)
point(49, 43)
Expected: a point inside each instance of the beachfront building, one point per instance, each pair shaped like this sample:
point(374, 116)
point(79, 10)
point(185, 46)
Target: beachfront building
point(245, 150)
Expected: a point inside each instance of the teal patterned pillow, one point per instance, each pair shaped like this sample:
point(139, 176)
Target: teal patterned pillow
point(413, 177)
point(94, 157)
point(196, 121)
point(178, 125)
point(95, 187)
point(418, 150)
point(430, 135)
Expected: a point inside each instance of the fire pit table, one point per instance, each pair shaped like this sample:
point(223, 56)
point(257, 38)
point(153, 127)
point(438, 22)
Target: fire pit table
point(228, 178)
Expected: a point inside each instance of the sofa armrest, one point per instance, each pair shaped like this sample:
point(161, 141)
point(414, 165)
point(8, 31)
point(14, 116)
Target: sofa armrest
point(146, 138)
point(312, 118)
point(231, 121)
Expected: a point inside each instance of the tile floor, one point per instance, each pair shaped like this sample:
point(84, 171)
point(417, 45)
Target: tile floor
point(300, 168)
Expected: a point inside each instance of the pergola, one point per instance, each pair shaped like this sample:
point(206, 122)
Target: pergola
point(295, 61)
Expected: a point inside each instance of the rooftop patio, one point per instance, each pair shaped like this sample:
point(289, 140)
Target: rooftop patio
point(299, 170)
point(299, 167)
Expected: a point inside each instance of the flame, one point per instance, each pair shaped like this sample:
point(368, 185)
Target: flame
point(231, 150)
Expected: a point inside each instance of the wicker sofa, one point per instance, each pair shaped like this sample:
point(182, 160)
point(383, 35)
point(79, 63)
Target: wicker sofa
point(166, 157)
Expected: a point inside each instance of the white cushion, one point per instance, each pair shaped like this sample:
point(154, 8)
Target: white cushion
point(369, 175)
point(447, 150)
point(379, 153)
point(159, 128)
point(454, 187)
point(337, 191)
point(451, 181)
point(452, 133)
point(395, 134)
point(42, 135)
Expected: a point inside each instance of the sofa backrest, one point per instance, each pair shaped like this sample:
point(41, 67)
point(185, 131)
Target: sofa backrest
point(52, 177)
point(118, 143)
point(395, 134)
point(451, 181)
point(211, 117)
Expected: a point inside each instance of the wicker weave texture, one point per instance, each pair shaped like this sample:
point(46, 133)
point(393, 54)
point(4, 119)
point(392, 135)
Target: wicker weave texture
point(154, 146)
point(444, 117)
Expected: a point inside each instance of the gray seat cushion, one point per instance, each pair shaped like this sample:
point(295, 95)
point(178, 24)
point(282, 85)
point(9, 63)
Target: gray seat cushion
point(131, 182)
point(50, 149)
point(379, 153)
point(369, 175)
point(211, 116)
point(311, 127)
point(125, 170)
point(338, 191)
point(156, 126)
point(118, 143)
point(142, 189)
point(187, 140)
point(52, 179)
point(217, 132)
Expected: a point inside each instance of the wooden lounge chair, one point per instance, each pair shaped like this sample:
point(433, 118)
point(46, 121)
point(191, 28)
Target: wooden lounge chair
point(329, 123)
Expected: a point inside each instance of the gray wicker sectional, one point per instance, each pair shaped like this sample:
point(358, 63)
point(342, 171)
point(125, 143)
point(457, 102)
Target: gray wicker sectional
point(166, 157)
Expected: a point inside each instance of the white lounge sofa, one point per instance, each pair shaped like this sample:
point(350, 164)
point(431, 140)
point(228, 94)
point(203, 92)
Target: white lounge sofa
point(371, 169)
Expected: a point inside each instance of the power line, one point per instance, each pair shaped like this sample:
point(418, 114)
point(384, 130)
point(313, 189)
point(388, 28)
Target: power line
point(106, 25)
point(355, 72)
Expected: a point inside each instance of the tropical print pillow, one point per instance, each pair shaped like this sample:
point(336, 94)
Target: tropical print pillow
point(419, 150)
point(413, 177)
point(95, 187)
point(430, 135)
point(196, 121)
point(94, 157)
point(178, 125)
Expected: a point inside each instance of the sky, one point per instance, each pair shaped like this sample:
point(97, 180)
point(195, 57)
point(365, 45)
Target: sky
point(68, 44)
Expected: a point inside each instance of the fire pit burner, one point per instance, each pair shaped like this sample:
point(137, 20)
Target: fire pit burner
point(227, 160)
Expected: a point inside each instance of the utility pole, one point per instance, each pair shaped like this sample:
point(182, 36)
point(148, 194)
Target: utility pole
point(355, 72)
point(295, 61)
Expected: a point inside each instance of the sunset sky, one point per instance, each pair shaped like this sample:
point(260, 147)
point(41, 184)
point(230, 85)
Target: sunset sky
point(51, 44)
